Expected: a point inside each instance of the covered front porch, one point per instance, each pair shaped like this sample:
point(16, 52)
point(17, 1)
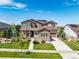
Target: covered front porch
point(38, 36)
point(30, 34)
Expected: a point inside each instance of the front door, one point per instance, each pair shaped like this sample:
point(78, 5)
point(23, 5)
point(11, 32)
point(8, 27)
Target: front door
point(32, 33)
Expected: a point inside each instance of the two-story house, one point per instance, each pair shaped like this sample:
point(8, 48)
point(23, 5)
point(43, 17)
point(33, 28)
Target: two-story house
point(40, 30)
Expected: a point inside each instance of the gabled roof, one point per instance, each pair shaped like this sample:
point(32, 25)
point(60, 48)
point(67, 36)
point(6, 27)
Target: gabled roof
point(43, 29)
point(74, 27)
point(43, 22)
point(38, 29)
point(3, 25)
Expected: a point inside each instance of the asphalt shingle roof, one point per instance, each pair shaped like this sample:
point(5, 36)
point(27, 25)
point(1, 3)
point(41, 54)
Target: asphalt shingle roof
point(3, 25)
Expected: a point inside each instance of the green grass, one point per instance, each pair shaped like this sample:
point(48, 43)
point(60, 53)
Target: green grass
point(31, 55)
point(71, 44)
point(44, 46)
point(14, 45)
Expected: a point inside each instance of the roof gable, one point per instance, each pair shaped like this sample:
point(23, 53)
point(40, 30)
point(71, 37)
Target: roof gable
point(74, 27)
point(43, 29)
point(43, 22)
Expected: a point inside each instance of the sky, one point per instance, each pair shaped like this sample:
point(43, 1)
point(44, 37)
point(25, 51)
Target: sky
point(61, 11)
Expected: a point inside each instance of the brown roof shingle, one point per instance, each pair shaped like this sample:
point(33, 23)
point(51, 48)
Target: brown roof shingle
point(74, 27)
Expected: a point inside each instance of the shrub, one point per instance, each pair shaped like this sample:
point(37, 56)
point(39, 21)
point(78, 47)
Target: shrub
point(17, 40)
point(28, 52)
point(43, 41)
point(28, 41)
point(13, 39)
point(35, 42)
point(77, 41)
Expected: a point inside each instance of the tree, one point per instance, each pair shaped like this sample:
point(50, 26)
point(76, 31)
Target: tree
point(13, 29)
point(8, 32)
point(61, 33)
point(1, 33)
point(18, 29)
point(22, 44)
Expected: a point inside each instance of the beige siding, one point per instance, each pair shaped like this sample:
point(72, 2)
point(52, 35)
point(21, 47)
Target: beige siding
point(50, 25)
point(41, 38)
point(53, 35)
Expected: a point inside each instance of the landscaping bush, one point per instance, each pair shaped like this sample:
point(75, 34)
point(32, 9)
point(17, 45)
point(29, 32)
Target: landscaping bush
point(35, 42)
point(28, 41)
point(28, 52)
point(13, 39)
point(77, 41)
point(43, 41)
point(17, 40)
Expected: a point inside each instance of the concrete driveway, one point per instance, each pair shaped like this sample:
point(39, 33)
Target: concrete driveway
point(61, 46)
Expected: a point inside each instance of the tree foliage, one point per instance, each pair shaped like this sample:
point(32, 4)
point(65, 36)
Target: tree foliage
point(61, 33)
point(10, 32)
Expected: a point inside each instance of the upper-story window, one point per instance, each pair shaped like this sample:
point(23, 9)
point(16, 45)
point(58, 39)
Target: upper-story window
point(23, 25)
point(26, 25)
point(49, 25)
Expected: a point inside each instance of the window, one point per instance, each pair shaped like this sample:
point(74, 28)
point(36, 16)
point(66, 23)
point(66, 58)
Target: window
point(41, 34)
point(44, 34)
point(36, 33)
point(23, 25)
point(78, 36)
point(28, 25)
point(49, 25)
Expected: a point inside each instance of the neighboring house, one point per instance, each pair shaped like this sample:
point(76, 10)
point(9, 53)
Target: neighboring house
point(40, 30)
point(3, 26)
point(72, 31)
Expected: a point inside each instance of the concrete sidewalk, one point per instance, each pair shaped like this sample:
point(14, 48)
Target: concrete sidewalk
point(31, 44)
point(61, 46)
point(44, 51)
point(23, 58)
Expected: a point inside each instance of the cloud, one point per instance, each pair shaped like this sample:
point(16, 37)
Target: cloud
point(12, 4)
point(71, 2)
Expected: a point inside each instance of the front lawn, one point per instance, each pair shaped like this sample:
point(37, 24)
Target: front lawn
point(71, 44)
point(44, 46)
point(31, 55)
point(14, 45)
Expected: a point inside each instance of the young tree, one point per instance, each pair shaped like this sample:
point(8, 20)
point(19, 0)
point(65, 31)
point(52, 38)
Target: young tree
point(61, 33)
point(1, 33)
point(8, 32)
point(22, 44)
point(13, 29)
